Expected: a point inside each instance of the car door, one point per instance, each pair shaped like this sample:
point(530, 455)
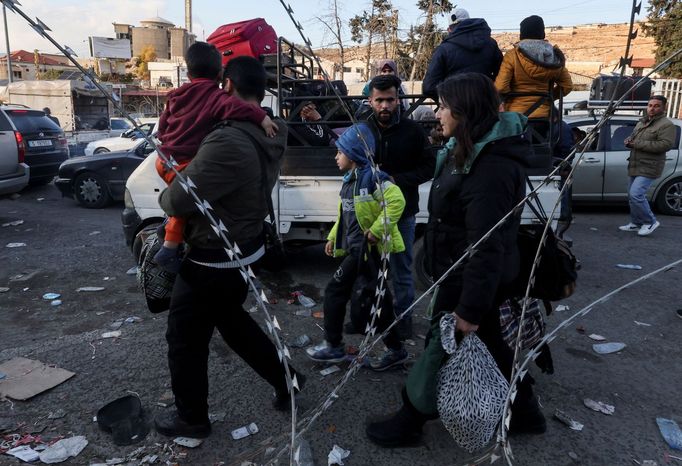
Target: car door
point(588, 180)
point(125, 166)
point(9, 157)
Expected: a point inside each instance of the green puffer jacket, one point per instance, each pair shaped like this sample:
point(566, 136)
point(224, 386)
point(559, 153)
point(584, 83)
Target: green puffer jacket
point(651, 139)
point(370, 215)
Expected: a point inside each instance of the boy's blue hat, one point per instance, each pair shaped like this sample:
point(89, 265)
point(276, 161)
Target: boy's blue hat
point(352, 146)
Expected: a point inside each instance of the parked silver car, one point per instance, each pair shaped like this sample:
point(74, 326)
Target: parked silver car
point(602, 176)
point(14, 173)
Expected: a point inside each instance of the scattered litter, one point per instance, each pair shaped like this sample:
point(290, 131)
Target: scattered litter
point(667, 457)
point(318, 315)
point(329, 370)
point(629, 266)
point(101, 313)
point(300, 341)
point(566, 419)
point(90, 288)
point(132, 270)
point(28, 377)
point(671, 432)
point(596, 337)
point(608, 348)
point(40, 199)
point(594, 228)
point(245, 431)
point(303, 455)
point(106, 279)
point(331, 428)
point(51, 296)
point(252, 309)
point(116, 324)
point(573, 456)
point(56, 302)
point(2, 376)
point(166, 399)
point(114, 334)
point(15, 245)
point(305, 301)
point(25, 289)
point(63, 449)
point(93, 233)
point(4, 289)
point(114, 461)
point(15, 223)
point(599, 406)
point(410, 342)
point(643, 324)
point(133, 319)
point(24, 453)
point(304, 313)
point(580, 329)
point(22, 277)
point(216, 417)
point(562, 308)
point(337, 455)
point(60, 413)
point(648, 463)
point(188, 442)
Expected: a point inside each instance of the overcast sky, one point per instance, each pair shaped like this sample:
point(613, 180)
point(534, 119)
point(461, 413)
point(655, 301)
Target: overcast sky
point(72, 21)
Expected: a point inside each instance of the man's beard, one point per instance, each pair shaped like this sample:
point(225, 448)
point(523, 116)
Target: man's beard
point(384, 116)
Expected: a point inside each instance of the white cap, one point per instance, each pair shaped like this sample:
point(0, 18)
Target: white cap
point(458, 15)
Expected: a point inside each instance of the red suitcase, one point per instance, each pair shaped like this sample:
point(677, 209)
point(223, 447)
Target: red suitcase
point(252, 38)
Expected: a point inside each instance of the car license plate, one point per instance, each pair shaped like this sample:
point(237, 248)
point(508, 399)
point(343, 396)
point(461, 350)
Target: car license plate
point(40, 143)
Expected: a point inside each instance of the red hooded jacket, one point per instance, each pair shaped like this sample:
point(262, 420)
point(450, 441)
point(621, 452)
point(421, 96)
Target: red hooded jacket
point(192, 110)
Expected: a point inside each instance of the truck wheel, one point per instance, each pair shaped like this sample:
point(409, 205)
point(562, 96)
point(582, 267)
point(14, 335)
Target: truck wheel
point(422, 279)
point(91, 191)
point(669, 199)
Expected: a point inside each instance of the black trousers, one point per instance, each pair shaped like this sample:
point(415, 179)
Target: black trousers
point(338, 293)
point(203, 299)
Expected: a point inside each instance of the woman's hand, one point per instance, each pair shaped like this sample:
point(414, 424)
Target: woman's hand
point(465, 326)
point(329, 248)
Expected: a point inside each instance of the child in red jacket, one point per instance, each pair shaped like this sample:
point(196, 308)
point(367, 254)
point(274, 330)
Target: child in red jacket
point(191, 112)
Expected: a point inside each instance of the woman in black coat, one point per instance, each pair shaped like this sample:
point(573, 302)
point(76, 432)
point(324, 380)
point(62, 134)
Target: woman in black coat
point(480, 177)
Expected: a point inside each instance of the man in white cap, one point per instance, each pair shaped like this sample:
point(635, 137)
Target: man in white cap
point(457, 16)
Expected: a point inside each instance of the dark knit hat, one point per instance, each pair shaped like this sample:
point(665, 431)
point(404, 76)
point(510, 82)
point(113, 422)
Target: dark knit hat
point(532, 27)
point(350, 143)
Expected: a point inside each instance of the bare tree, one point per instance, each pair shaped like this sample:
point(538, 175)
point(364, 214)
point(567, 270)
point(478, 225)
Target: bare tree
point(429, 34)
point(332, 21)
point(378, 21)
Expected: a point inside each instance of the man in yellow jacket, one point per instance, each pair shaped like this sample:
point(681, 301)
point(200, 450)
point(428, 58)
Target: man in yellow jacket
point(530, 67)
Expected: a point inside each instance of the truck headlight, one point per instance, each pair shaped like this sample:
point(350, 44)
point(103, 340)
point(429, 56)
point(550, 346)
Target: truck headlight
point(128, 200)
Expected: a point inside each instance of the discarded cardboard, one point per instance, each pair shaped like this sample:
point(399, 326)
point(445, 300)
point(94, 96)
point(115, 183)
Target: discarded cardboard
point(27, 377)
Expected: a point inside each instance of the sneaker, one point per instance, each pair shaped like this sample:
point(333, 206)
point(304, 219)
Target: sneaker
point(646, 230)
point(630, 227)
point(171, 425)
point(326, 353)
point(390, 359)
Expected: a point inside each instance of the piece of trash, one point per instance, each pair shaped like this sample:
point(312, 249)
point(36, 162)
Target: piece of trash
point(329, 370)
point(114, 334)
point(2, 376)
point(671, 432)
point(245, 431)
point(63, 449)
point(40, 199)
point(573, 456)
point(596, 337)
point(594, 228)
point(410, 342)
point(101, 313)
point(56, 302)
point(60, 413)
point(124, 419)
point(15, 245)
point(116, 324)
point(166, 399)
point(629, 266)
point(337, 455)
point(305, 301)
point(25, 289)
point(580, 329)
point(304, 312)
point(28, 377)
point(566, 419)
point(106, 279)
point(188, 442)
point(667, 457)
point(22, 277)
point(562, 308)
point(303, 454)
point(318, 315)
point(90, 288)
point(51, 296)
point(608, 348)
point(24, 453)
point(648, 463)
point(15, 223)
point(133, 319)
point(132, 270)
point(599, 406)
point(4, 289)
point(252, 309)
point(216, 417)
point(93, 233)
point(300, 341)
point(643, 324)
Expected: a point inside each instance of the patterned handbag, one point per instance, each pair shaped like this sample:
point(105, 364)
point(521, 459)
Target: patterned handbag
point(155, 283)
point(533, 328)
point(471, 389)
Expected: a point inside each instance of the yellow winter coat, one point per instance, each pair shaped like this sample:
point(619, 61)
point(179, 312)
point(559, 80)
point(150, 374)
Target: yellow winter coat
point(529, 67)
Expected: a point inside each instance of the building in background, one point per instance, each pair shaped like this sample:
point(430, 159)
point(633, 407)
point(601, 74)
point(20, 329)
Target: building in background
point(28, 66)
point(169, 42)
point(168, 73)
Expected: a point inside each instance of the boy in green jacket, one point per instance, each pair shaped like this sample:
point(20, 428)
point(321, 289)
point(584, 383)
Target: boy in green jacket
point(361, 220)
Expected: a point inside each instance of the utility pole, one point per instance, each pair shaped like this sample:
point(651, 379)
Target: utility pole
point(10, 78)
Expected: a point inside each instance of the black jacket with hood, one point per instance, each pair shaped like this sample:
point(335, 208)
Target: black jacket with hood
point(464, 205)
point(468, 48)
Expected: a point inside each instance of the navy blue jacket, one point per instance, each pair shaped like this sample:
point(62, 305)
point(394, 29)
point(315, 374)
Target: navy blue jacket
point(468, 48)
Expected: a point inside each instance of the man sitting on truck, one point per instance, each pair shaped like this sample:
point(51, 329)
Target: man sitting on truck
point(401, 151)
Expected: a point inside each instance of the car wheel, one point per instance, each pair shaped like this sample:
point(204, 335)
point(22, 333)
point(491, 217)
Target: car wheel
point(669, 199)
point(91, 191)
point(422, 277)
point(101, 150)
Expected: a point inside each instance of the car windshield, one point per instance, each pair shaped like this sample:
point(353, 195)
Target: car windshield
point(31, 121)
point(119, 124)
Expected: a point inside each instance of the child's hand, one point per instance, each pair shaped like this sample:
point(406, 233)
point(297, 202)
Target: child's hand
point(371, 239)
point(269, 127)
point(329, 248)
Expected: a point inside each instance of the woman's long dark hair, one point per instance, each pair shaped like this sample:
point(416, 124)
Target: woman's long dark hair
point(474, 102)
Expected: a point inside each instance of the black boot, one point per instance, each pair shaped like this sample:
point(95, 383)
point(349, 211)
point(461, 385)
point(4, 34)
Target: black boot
point(282, 399)
point(402, 429)
point(527, 418)
point(171, 425)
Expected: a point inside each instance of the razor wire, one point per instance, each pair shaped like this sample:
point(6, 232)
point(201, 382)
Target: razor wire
point(204, 207)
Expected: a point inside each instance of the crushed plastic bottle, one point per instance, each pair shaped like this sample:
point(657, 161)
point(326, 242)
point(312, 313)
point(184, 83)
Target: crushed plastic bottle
point(305, 301)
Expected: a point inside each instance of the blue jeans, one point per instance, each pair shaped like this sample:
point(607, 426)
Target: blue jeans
point(640, 211)
point(401, 268)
